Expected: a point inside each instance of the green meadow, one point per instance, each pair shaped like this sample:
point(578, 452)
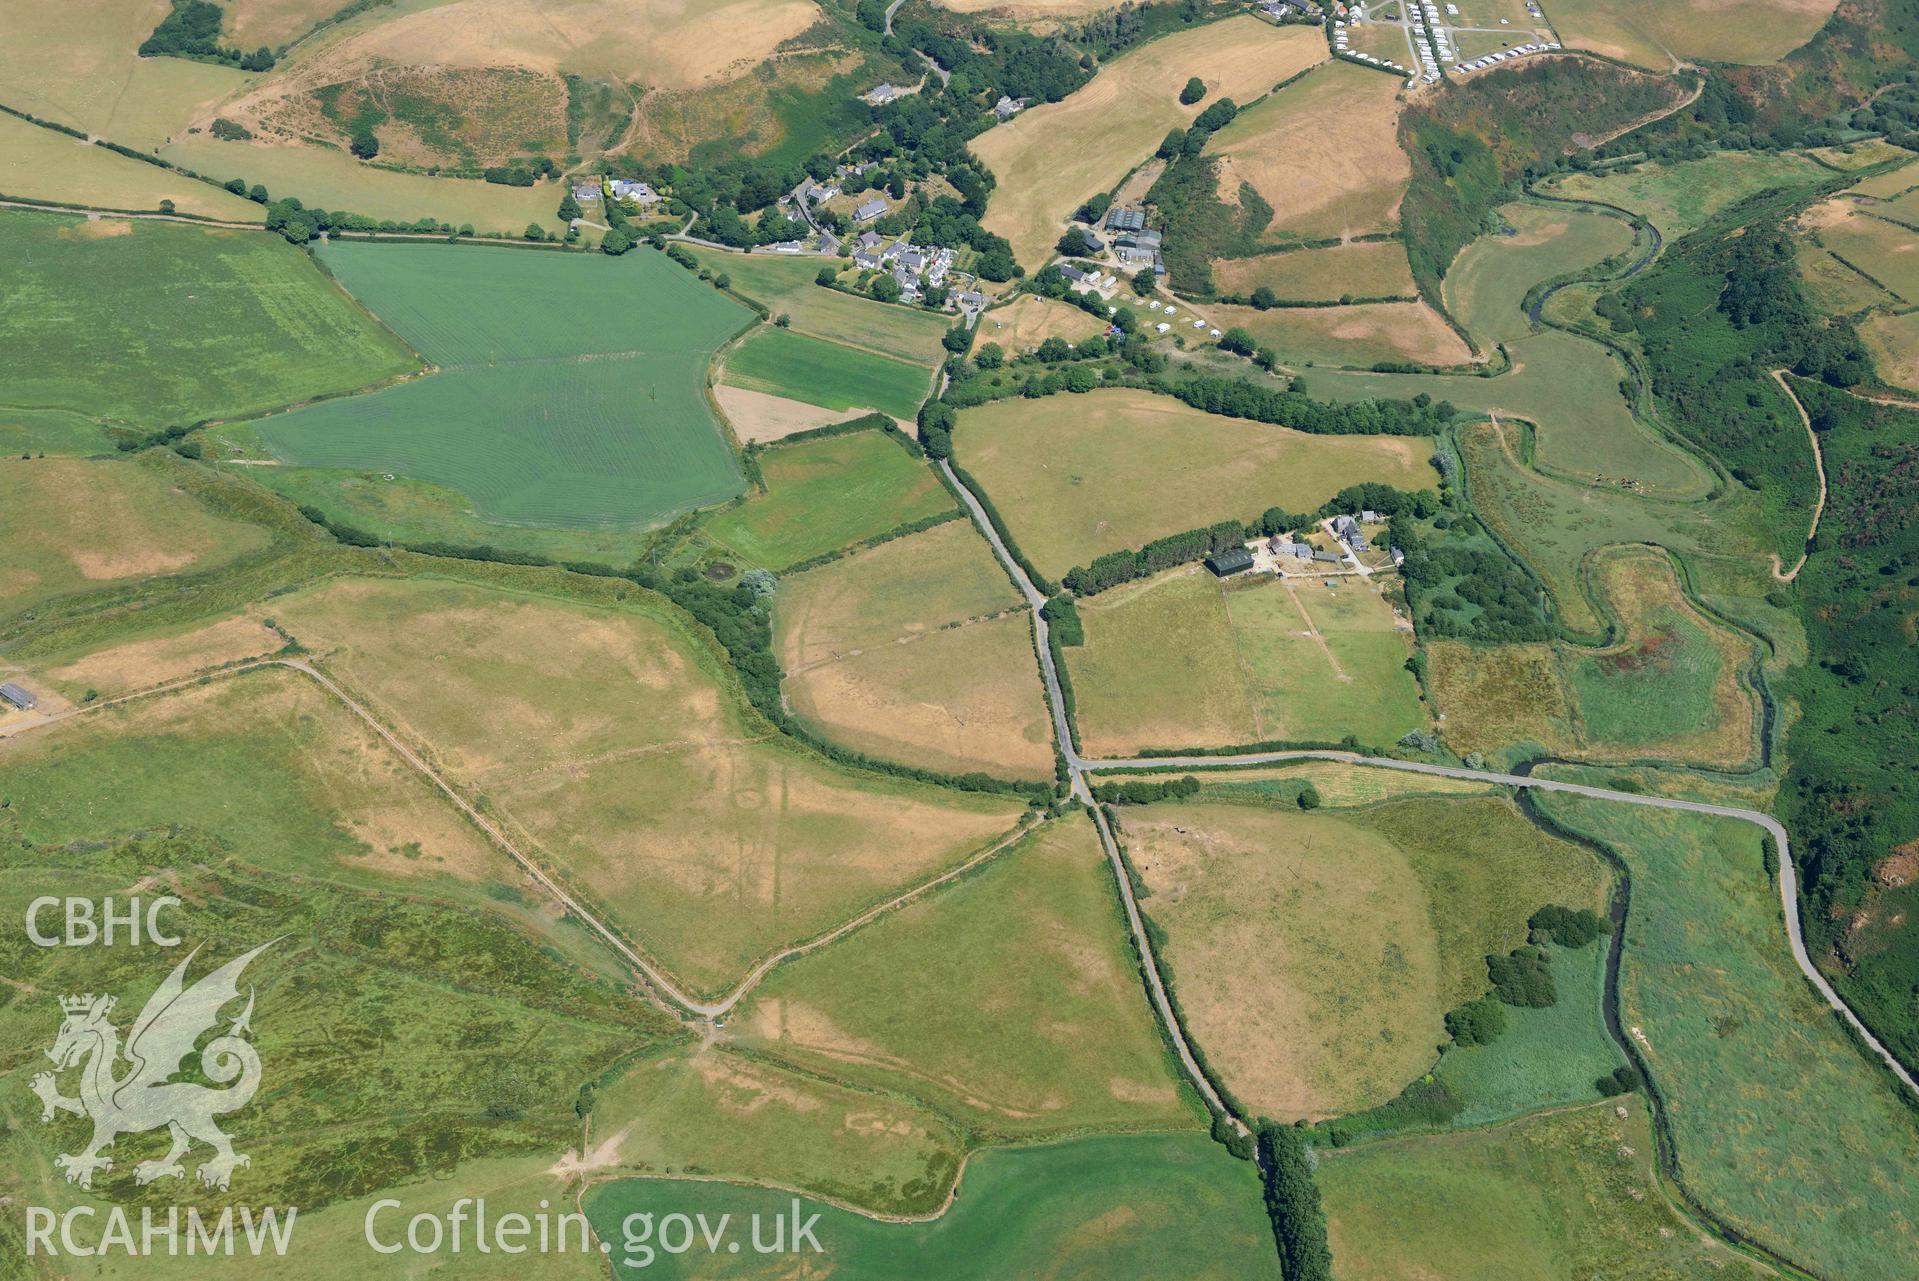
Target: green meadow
point(789, 287)
point(148, 325)
point(1681, 196)
point(825, 373)
point(568, 391)
point(1150, 1205)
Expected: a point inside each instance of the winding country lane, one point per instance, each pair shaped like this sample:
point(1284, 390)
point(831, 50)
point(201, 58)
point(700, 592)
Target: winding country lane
point(1819, 465)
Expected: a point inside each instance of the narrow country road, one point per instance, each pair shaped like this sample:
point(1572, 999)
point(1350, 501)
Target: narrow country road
point(1078, 766)
point(1819, 465)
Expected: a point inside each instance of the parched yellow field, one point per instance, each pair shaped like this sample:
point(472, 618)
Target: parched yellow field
point(1659, 35)
point(1028, 10)
point(170, 656)
point(76, 63)
point(615, 743)
point(252, 23)
point(329, 179)
point(762, 416)
point(1888, 185)
point(918, 650)
point(1323, 152)
point(1048, 159)
point(1339, 785)
point(1884, 250)
point(1365, 269)
point(1030, 320)
point(1078, 476)
point(44, 164)
point(1894, 343)
point(71, 523)
point(1360, 335)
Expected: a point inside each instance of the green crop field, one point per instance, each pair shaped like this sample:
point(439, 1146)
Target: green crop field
point(1150, 1205)
point(1181, 661)
point(1568, 1195)
point(1680, 196)
point(1078, 476)
point(604, 732)
point(154, 324)
point(787, 287)
point(1782, 1125)
point(1008, 998)
point(829, 374)
point(822, 495)
point(568, 390)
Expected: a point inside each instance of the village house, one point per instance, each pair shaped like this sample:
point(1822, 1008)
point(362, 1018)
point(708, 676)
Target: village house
point(880, 94)
point(1006, 108)
point(866, 260)
point(587, 193)
point(639, 193)
point(872, 209)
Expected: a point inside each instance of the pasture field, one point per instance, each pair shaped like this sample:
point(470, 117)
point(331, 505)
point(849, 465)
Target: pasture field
point(1660, 36)
point(157, 324)
point(1863, 154)
point(786, 286)
point(1123, 467)
point(1681, 196)
point(568, 391)
point(1359, 335)
point(709, 1112)
point(1111, 1206)
point(1031, 319)
point(44, 164)
point(1007, 998)
point(623, 755)
point(1340, 786)
point(252, 23)
point(1315, 954)
point(1884, 250)
point(831, 375)
point(1362, 269)
point(1782, 1126)
point(173, 653)
point(1894, 343)
point(1571, 1194)
point(1889, 185)
point(1181, 661)
point(822, 495)
point(1835, 287)
point(1051, 158)
point(77, 64)
point(67, 524)
point(1323, 152)
point(1486, 287)
point(918, 650)
point(329, 179)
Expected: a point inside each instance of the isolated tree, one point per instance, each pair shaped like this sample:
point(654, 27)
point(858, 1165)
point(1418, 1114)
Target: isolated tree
point(1265, 299)
point(616, 242)
point(569, 208)
point(535, 232)
point(827, 276)
point(1195, 90)
point(166, 206)
point(364, 145)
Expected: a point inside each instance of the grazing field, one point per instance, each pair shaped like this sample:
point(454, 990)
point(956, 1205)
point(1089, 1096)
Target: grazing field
point(831, 375)
point(1050, 158)
point(1363, 269)
point(1113, 1206)
point(1339, 785)
point(1008, 998)
point(1782, 1125)
point(609, 737)
point(1078, 476)
point(1660, 36)
point(77, 64)
point(1031, 319)
point(252, 23)
point(822, 495)
point(1885, 250)
point(157, 324)
point(1314, 954)
point(44, 164)
point(1359, 335)
point(1681, 196)
point(1486, 287)
point(1323, 152)
point(917, 650)
point(1184, 661)
point(706, 1111)
point(787, 286)
point(326, 178)
point(1894, 343)
point(170, 655)
point(567, 392)
point(67, 524)
point(1573, 1194)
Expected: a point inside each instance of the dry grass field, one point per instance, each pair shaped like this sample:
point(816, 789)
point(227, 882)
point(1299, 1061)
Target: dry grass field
point(1359, 335)
point(1659, 35)
point(1051, 158)
point(1884, 250)
point(1894, 343)
point(43, 164)
point(156, 660)
point(252, 23)
point(1890, 185)
point(1078, 476)
point(762, 416)
point(1027, 12)
point(918, 650)
point(1339, 785)
point(1030, 320)
point(1366, 269)
point(1495, 697)
point(1323, 152)
point(612, 740)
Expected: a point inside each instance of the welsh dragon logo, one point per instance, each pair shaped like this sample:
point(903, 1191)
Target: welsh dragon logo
point(146, 1097)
